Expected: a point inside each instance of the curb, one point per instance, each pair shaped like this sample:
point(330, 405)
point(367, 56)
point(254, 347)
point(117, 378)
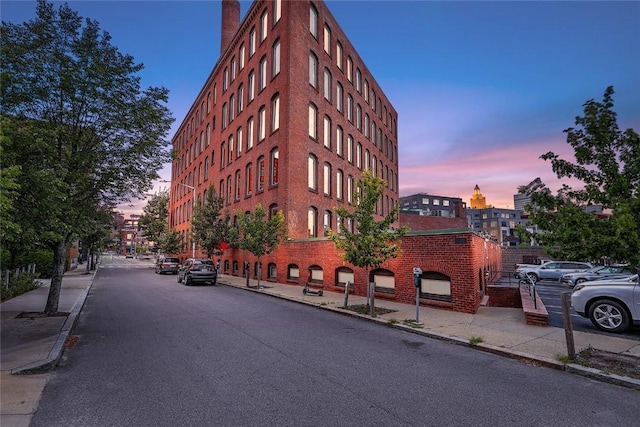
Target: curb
point(54, 356)
point(571, 368)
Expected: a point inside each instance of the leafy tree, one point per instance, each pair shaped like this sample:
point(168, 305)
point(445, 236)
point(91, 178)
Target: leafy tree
point(85, 133)
point(154, 220)
point(95, 234)
point(372, 242)
point(210, 227)
point(170, 241)
point(9, 186)
point(608, 165)
point(259, 234)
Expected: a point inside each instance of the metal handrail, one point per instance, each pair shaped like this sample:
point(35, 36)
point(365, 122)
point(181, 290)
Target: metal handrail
point(527, 280)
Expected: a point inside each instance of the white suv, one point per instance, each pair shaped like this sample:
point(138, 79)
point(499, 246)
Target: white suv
point(613, 305)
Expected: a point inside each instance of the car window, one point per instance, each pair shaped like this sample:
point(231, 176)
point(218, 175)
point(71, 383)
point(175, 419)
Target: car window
point(551, 266)
point(172, 260)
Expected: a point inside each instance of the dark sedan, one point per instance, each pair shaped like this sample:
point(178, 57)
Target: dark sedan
point(195, 270)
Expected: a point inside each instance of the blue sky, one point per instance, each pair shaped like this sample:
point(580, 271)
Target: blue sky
point(482, 88)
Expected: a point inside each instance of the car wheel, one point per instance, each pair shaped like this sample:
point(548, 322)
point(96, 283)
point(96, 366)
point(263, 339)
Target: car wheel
point(609, 315)
point(534, 277)
point(578, 281)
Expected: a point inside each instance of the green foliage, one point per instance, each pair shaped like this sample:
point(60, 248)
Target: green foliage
point(608, 166)
point(18, 284)
point(259, 234)
point(155, 215)
point(170, 242)
point(210, 229)
point(371, 242)
point(83, 132)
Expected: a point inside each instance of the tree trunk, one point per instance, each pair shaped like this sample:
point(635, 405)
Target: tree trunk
point(259, 272)
point(371, 291)
point(59, 260)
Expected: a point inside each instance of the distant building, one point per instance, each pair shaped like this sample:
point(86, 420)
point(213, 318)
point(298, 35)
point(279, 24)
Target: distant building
point(520, 201)
point(478, 201)
point(429, 205)
point(500, 224)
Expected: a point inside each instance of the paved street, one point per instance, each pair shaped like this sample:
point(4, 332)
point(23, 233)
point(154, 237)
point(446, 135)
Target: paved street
point(153, 352)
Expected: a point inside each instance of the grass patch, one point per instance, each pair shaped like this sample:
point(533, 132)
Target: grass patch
point(475, 340)
point(393, 321)
point(364, 309)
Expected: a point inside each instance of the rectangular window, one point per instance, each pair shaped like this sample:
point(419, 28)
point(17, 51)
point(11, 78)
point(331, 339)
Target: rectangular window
point(264, 22)
point(277, 10)
point(327, 85)
point(261, 174)
point(238, 185)
point(248, 179)
point(238, 142)
point(313, 70)
point(339, 140)
point(350, 149)
point(349, 69)
point(339, 91)
point(240, 99)
point(275, 155)
point(339, 55)
point(252, 86)
point(339, 185)
point(252, 42)
point(313, 21)
point(275, 59)
point(262, 126)
point(313, 117)
point(326, 135)
point(241, 56)
point(250, 134)
point(311, 173)
point(275, 114)
point(327, 180)
point(327, 40)
point(263, 73)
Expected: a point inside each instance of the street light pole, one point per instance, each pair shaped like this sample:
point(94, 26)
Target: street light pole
point(193, 205)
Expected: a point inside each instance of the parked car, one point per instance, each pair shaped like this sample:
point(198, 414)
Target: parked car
point(552, 270)
point(196, 270)
point(612, 305)
point(129, 255)
point(595, 273)
point(167, 265)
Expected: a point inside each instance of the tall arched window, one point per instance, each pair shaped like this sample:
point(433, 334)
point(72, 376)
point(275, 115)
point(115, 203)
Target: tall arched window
point(273, 176)
point(312, 221)
point(312, 172)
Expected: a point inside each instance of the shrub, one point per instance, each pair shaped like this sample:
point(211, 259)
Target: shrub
point(18, 284)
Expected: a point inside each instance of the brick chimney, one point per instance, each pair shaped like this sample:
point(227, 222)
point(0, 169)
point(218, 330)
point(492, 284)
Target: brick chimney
point(230, 22)
point(460, 209)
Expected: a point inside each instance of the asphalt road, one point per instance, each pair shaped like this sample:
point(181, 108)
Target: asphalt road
point(152, 352)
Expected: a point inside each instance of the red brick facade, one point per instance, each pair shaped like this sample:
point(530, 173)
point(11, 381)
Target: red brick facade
point(264, 130)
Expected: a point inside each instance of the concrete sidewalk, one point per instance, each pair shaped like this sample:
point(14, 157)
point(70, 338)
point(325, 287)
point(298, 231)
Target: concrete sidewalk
point(34, 345)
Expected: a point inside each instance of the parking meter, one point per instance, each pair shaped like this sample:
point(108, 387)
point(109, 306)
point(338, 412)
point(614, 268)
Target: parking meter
point(416, 281)
point(246, 271)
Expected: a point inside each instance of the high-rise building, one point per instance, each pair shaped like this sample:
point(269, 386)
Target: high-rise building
point(478, 201)
point(290, 117)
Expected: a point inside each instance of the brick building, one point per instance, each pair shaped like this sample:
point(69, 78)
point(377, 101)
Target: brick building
point(290, 117)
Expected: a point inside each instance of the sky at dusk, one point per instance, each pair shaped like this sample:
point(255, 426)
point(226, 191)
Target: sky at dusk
point(482, 88)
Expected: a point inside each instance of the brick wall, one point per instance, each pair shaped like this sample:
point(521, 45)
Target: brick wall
point(464, 257)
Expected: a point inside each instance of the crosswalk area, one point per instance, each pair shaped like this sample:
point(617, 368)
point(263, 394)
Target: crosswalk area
point(126, 266)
